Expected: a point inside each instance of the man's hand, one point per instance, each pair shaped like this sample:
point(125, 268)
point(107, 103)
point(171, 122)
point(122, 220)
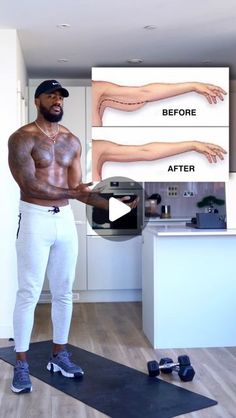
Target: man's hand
point(83, 191)
point(133, 204)
point(210, 91)
point(211, 151)
point(91, 197)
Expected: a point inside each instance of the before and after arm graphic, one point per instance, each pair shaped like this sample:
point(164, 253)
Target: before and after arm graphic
point(103, 151)
point(130, 98)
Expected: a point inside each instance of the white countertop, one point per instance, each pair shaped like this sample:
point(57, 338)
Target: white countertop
point(159, 220)
point(175, 230)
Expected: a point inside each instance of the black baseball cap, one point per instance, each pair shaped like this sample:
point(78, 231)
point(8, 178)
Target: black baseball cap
point(49, 86)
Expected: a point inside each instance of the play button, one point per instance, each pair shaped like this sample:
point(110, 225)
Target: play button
point(117, 209)
point(122, 215)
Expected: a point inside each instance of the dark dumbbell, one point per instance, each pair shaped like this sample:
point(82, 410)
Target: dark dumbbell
point(185, 370)
point(166, 366)
point(153, 368)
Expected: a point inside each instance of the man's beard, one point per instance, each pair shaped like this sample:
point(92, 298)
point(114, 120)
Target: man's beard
point(50, 117)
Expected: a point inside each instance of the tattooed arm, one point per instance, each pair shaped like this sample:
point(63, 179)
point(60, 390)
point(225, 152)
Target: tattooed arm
point(23, 169)
point(33, 183)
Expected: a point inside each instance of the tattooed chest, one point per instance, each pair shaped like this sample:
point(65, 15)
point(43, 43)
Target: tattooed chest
point(46, 155)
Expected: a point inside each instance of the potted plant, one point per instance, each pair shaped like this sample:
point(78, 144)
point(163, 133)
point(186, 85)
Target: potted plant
point(209, 202)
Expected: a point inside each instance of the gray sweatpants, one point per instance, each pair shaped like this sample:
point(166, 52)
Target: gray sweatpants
point(46, 243)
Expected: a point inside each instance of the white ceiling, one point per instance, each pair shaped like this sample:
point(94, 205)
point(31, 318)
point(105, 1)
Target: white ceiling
point(109, 32)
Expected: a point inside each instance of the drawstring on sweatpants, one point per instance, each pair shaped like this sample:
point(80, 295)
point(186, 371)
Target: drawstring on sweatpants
point(54, 210)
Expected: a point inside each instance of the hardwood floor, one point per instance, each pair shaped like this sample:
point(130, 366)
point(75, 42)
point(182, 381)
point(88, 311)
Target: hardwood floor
point(114, 330)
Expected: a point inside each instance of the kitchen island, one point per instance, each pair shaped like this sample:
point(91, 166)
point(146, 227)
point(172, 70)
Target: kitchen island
point(189, 286)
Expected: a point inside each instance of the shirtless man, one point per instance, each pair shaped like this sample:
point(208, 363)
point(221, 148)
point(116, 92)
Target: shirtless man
point(129, 98)
point(44, 158)
point(103, 151)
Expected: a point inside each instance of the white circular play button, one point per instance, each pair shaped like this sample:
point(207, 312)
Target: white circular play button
point(124, 214)
point(117, 209)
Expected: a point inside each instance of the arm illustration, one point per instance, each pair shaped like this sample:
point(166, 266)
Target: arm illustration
point(103, 151)
point(129, 98)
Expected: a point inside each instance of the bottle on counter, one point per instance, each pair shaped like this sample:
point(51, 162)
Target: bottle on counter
point(165, 212)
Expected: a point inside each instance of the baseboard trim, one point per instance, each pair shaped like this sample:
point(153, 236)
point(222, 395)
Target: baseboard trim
point(100, 296)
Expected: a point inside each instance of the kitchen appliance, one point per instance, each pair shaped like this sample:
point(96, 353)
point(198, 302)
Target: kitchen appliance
point(151, 205)
point(129, 224)
point(207, 221)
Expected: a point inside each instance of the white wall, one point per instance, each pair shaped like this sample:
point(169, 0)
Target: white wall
point(12, 75)
point(230, 186)
point(232, 156)
point(230, 192)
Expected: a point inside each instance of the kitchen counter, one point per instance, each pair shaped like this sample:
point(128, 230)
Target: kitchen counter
point(189, 286)
point(176, 230)
point(158, 220)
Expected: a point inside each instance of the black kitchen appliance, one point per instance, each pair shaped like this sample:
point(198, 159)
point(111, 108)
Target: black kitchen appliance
point(129, 224)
